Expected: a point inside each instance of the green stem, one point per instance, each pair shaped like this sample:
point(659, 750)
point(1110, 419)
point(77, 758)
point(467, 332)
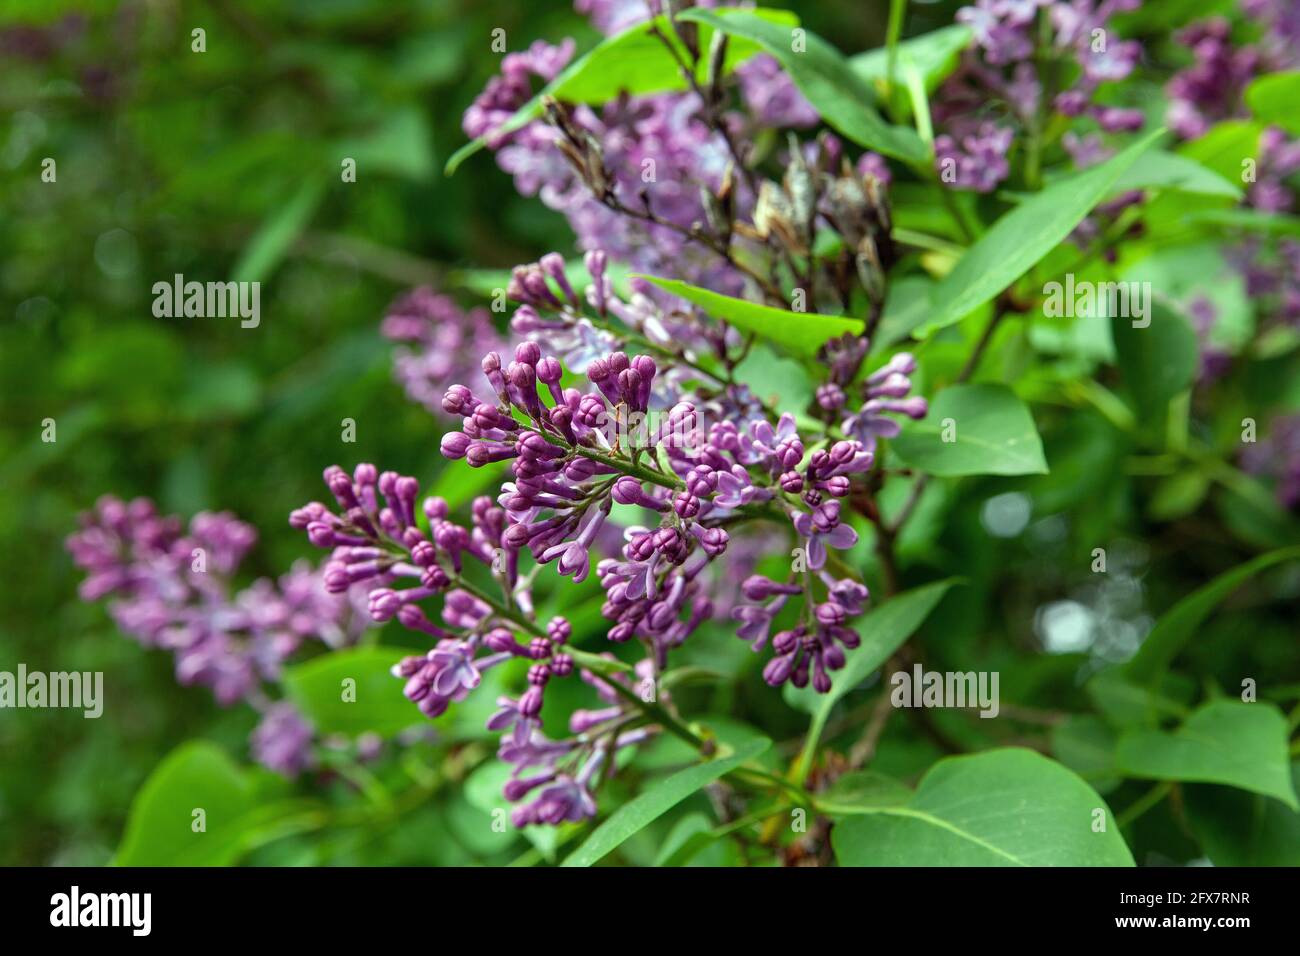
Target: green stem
point(893, 31)
point(1144, 803)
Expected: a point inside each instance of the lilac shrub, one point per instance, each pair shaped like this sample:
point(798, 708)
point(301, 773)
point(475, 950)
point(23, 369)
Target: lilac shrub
point(720, 414)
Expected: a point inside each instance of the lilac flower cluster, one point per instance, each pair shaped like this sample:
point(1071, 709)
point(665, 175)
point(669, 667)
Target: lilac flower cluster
point(660, 152)
point(885, 392)
point(377, 543)
point(581, 327)
point(1211, 90)
point(565, 773)
point(438, 335)
point(171, 589)
point(972, 148)
point(815, 645)
point(574, 460)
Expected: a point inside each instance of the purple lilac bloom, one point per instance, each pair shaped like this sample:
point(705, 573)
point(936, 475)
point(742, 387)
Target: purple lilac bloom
point(1211, 88)
point(376, 543)
point(563, 446)
point(810, 649)
point(998, 71)
point(575, 322)
point(437, 336)
point(282, 741)
point(658, 151)
point(886, 392)
point(172, 590)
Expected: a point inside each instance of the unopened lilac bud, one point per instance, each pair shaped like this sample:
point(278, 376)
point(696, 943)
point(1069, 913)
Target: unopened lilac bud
point(785, 641)
point(791, 482)
point(303, 517)
point(837, 486)
point(337, 579)
point(580, 469)
point(516, 536)
point(830, 613)
point(777, 671)
point(714, 541)
point(549, 370)
point(526, 320)
point(539, 648)
point(821, 681)
point(320, 534)
point(384, 603)
point(629, 386)
point(830, 397)
point(408, 666)
point(530, 702)
point(455, 445)
point(436, 578)
point(501, 641)
point(529, 353)
point(702, 481)
point(756, 587)
point(686, 505)
point(559, 630)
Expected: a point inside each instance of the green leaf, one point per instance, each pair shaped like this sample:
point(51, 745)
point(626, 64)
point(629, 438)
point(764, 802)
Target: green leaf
point(801, 333)
point(653, 803)
point(1236, 828)
point(317, 687)
point(1006, 807)
point(867, 788)
point(635, 62)
point(1223, 148)
point(689, 837)
point(1159, 360)
point(1179, 495)
point(1251, 220)
point(1273, 98)
point(825, 78)
point(1024, 236)
point(1177, 625)
point(993, 434)
point(1226, 741)
point(271, 242)
point(907, 306)
point(1159, 169)
point(883, 630)
point(1086, 744)
point(935, 55)
point(240, 810)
